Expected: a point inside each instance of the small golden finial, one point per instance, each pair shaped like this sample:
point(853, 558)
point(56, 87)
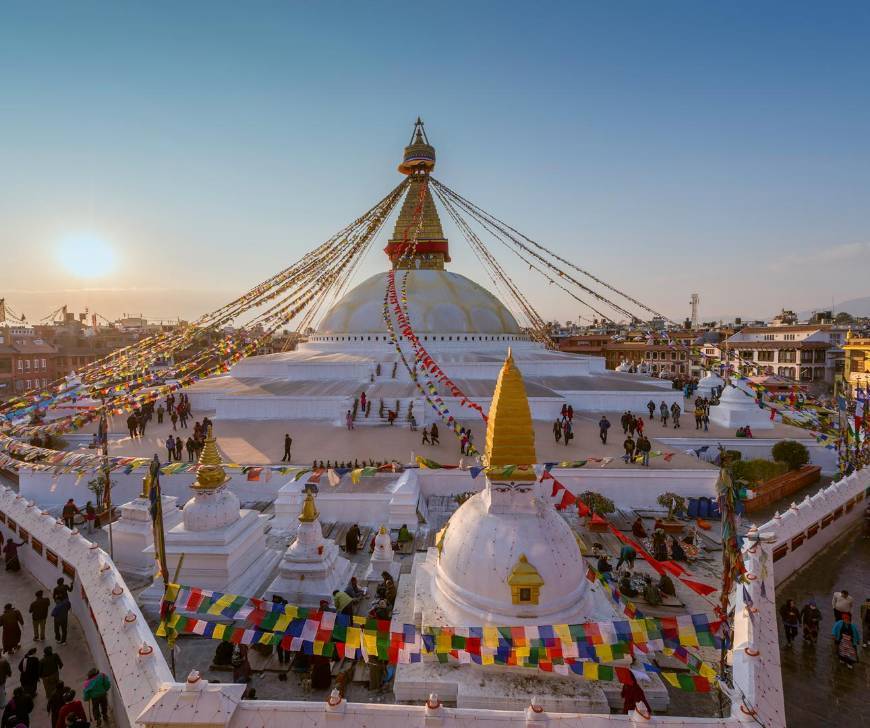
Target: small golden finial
point(382, 530)
point(510, 436)
point(209, 473)
point(309, 513)
point(146, 486)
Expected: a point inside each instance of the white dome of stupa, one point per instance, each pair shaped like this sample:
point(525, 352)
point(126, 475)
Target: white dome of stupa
point(438, 302)
point(481, 547)
point(211, 509)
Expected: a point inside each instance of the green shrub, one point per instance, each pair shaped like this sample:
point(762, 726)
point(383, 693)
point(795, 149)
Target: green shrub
point(792, 453)
point(757, 471)
point(675, 504)
point(598, 503)
point(733, 455)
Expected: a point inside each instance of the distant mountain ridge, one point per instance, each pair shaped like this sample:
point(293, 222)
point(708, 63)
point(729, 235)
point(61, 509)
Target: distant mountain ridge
point(854, 306)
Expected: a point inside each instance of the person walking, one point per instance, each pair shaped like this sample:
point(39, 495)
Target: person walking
point(5, 674)
point(811, 618)
point(71, 706)
point(170, 448)
point(17, 711)
point(433, 433)
point(288, 443)
point(348, 420)
point(10, 622)
point(791, 619)
point(639, 425)
point(49, 671)
point(190, 446)
point(173, 416)
point(557, 429)
point(160, 413)
point(96, 690)
point(39, 614)
point(69, 513)
point(61, 590)
point(625, 420)
point(56, 702)
point(90, 516)
point(865, 621)
point(847, 639)
point(651, 406)
point(842, 604)
point(425, 440)
point(179, 446)
point(644, 446)
point(664, 411)
point(29, 671)
point(60, 614)
point(10, 555)
point(675, 415)
point(628, 446)
point(603, 427)
point(568, 432)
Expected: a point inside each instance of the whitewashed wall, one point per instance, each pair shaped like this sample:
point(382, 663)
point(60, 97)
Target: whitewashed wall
point(114, 627)
point(814, 523)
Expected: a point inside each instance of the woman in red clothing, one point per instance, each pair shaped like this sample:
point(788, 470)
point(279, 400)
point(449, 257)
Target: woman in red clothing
point(70, 707)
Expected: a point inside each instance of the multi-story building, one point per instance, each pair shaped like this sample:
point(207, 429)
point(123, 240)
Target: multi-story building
point(801, 352)
point(26, 361)
point(856, 371)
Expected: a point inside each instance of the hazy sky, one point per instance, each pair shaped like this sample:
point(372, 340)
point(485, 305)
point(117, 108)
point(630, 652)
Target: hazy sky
point(668, 147)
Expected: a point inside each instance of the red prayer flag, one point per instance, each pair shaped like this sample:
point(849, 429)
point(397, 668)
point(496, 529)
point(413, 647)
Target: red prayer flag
point(698, 587)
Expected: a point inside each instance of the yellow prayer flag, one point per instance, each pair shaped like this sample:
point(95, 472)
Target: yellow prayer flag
point(353, 639)
point(562, 632)
point(490, 636)
point(590, 671)
point(604, 653)
point(671, 677)
point(487, 659)
point(371, 643)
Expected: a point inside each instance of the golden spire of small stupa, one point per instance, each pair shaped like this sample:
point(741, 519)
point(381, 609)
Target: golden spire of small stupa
point(510, 436)
point(209, 473)
point(309, 509)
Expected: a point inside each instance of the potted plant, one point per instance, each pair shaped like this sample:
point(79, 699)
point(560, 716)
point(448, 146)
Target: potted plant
point(676, 506)
point(600, 506)
point(97, 486)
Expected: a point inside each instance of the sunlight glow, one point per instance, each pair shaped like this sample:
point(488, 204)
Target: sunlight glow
point(86, 256)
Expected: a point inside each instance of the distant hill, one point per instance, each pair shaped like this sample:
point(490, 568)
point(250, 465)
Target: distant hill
point(855, 306)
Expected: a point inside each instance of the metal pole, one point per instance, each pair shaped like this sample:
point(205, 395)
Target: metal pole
point(104, 428)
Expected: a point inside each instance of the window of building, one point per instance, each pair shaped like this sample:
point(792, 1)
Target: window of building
point(648, 355)
point(788, 355)
point(769, 337)
point(788, 337)
point(747, 355)
point(43, 364)
point(20, 365)
point(673, 356)
point(821, 354)
point(765, 355)
point(806, 356)
point(29, 383)
point(525, 594)
point(682, 356)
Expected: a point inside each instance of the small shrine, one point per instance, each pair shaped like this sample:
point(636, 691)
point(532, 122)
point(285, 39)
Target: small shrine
point(312, 567)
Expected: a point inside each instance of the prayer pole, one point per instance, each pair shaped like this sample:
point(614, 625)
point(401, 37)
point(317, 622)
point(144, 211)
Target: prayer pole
point(107, 494)
point(151, 490)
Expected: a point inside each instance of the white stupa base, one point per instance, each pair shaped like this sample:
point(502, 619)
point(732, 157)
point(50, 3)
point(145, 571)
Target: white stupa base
point(133, 533)
point(231, 559)
point(736, 409)
point(311, 568)
point(306, 587)
point(376, 568)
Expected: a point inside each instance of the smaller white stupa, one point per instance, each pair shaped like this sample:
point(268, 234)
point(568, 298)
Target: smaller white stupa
point(133, 534)
point(218, 545)
point(708, 384)
point(738, 409)
point(311, 568)
point(383, 557)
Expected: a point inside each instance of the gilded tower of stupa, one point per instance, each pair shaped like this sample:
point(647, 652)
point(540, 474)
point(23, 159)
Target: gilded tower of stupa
point(431, 250)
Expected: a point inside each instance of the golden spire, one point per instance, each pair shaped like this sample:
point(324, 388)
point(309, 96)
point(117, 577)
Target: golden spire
point(209, 473)
point(309, 512)
point(431, 250)
point(510, 437)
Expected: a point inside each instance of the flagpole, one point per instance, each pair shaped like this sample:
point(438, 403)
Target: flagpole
point(107, 494)
point(156, 498)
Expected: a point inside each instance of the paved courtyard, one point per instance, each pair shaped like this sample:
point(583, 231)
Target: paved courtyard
point(19, 588)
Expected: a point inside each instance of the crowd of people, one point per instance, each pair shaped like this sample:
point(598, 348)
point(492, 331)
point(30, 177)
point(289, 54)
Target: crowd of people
point(44, 669)
point(845, 632)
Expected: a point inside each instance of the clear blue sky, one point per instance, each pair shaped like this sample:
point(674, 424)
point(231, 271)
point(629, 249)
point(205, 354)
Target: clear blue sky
point(670, 147)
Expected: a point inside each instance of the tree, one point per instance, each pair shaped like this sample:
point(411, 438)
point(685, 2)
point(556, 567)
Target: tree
point(597, 503)
point(792, 453)
point(844, 318)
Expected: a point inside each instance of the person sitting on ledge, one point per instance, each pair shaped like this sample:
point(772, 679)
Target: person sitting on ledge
point(223, 654)
point(637, 528)
point(651, 592)
point(666, 585)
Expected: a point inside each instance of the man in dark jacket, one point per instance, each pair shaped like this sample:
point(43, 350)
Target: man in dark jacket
point(603, 427)
point(39, 613)
point(60, 612)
